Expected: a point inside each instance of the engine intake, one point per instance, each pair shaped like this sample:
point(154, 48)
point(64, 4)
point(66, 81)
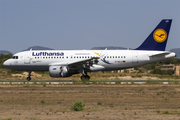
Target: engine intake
point(59, 71)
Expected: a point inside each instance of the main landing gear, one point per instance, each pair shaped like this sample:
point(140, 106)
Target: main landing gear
point(29, 76)
point(85, 77)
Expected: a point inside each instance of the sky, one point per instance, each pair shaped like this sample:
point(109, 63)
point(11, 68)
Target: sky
point(83, 24)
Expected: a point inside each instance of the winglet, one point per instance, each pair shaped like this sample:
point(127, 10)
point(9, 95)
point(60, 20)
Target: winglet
point(158, 38)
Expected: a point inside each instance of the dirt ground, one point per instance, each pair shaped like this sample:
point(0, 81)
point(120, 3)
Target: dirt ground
point(102, 102)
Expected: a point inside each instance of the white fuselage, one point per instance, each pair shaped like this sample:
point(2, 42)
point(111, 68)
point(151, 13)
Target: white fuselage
point(41, 60)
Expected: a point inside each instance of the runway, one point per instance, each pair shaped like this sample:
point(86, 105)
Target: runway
point(90, 82)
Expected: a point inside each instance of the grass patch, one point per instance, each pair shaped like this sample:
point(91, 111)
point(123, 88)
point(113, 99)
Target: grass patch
point(174, 82)
point(73, 111)
point(169, 112)
point(43, 84)
point(76, 81)
point(42, 101)
point(111, 105)
point(99, 103)
point(166, 99)
point(153, 81)
point(35, 83)
point(98, 82)
point(118, 81)
point(7, 119)
point(132, 82)
point(140, 89)
point(59, 102)
point(78, 106)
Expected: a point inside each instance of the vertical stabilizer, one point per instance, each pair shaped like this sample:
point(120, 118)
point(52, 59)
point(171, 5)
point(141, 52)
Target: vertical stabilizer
point(158, 38)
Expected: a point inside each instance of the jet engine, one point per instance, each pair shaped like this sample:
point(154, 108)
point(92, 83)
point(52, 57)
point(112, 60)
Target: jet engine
point(58, 71)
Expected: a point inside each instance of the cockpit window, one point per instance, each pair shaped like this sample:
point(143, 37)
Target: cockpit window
point(14, 57)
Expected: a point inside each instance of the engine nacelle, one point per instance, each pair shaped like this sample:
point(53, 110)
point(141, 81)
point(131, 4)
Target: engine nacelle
point(58, 71)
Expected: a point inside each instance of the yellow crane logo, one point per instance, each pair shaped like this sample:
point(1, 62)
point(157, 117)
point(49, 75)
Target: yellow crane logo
point(160, 35)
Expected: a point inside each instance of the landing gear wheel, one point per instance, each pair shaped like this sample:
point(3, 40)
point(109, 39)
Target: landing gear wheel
point(28, 78)
point(85, 78)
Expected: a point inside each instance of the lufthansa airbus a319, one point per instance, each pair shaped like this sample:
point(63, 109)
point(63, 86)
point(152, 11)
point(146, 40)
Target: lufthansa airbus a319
point(65, 63)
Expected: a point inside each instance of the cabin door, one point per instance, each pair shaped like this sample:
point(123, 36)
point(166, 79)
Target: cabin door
point(27, 58)
point(135, 57)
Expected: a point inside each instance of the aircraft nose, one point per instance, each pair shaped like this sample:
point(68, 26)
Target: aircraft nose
point(6, 63)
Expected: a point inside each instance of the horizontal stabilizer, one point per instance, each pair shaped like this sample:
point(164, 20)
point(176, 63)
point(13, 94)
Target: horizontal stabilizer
point(160, 54)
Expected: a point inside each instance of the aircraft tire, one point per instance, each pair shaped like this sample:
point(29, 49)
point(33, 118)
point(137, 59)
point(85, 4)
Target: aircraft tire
point(88, 77)
point(85, 78)
point(28, 78)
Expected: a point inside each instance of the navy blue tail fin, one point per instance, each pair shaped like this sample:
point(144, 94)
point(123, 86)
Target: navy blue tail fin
point(158, 38)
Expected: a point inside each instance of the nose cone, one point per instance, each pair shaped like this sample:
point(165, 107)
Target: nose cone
point(6, 64)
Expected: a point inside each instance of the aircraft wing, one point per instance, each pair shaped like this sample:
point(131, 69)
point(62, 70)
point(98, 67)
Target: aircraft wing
point(79, 62)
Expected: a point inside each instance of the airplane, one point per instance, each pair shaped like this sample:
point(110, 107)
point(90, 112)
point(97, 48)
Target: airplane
point(65, 63)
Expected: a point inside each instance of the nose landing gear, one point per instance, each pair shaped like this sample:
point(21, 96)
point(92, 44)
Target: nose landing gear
point(29, 76)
